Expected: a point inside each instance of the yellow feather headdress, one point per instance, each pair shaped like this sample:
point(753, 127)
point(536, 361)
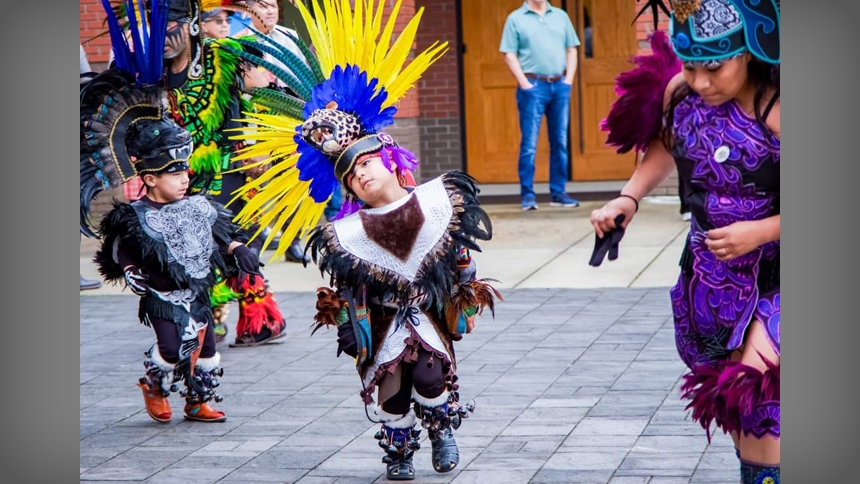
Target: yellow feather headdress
point(339, 99)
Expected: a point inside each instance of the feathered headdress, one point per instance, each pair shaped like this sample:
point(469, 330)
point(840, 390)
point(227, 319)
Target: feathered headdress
point(712, 31)
point(125, 129)
point(702, 32)
point(345, 95)
point(183, 10)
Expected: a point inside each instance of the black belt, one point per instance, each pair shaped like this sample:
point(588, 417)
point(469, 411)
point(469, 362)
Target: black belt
point(544, 78)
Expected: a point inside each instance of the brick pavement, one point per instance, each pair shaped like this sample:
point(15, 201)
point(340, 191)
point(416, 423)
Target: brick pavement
point(571, 385)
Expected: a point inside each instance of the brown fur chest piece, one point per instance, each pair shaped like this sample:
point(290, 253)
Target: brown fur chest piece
point(401, 236)
point(397, 230)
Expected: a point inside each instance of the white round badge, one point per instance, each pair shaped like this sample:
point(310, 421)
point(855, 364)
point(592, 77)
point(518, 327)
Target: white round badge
point(722, 154)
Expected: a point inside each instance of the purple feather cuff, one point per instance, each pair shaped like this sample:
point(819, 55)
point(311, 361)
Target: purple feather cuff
point(636, 117)
point(731, 394)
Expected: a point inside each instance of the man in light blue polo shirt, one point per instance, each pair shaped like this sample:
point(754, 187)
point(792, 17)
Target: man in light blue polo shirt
point(540, 44)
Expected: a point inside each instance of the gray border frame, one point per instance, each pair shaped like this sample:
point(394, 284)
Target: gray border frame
point(39, 436)
point(39, 432)
point(820, 264)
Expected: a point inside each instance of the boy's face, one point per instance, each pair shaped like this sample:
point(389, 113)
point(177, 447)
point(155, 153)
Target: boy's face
point(167, 187)
point(370, 180)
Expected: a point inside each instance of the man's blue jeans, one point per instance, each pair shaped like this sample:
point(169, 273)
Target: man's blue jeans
point(552, 99)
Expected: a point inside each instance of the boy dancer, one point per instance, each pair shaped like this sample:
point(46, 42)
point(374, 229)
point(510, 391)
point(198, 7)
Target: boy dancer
point(404, 291)
point(168, 249)
point(403, 282)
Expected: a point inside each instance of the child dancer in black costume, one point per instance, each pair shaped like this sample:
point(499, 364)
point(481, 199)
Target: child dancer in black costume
point(168, 248)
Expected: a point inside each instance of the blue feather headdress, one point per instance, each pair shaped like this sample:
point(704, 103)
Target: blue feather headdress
point(144, 56)
point(356, 97)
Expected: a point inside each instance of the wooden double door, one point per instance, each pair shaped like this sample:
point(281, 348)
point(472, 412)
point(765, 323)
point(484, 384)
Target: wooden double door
point(491, 119)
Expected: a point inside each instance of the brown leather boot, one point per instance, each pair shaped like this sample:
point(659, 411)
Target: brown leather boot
point(157, 405)
point(202, 412)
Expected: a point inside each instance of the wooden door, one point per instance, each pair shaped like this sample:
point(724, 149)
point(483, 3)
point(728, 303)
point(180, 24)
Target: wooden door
point(490, 110)
point(492, 122)
point(613, 43)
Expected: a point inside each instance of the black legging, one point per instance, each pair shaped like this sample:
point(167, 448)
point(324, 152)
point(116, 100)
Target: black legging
point(427, 379)
point(169, 341)
point(682, 194)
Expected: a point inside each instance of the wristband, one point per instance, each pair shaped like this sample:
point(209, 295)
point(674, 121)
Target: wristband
point(631, 198)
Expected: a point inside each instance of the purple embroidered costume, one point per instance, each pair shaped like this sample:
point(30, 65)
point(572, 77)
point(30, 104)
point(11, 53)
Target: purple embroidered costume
point(730, 162)
point(733, 171)
point(732, 168)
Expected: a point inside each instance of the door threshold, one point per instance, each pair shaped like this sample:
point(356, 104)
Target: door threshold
point(584, 191)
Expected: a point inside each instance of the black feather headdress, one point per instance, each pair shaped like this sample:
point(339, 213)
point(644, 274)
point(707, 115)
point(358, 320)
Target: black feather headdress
point(125, 129)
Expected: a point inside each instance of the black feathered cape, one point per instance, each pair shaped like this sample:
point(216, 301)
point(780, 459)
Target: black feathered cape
point(123, 225)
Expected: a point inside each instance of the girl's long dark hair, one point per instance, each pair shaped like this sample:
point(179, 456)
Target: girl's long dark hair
point(764, 76)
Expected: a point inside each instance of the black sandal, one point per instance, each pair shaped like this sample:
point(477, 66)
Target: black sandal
point(400, 469)
point(440, 422)
point(446, 454)
point(399, 451)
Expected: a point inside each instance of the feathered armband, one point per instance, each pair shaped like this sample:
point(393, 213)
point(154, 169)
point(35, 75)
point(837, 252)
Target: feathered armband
point(470, 299)
point(331, 310)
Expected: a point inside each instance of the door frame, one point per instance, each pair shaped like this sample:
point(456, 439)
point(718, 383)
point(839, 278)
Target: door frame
point(461, 81)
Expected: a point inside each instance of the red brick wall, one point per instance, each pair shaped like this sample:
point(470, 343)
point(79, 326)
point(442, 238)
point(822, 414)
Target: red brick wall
point(92, 23)
point(439, 92)
point(440, 87)
point(645, 25)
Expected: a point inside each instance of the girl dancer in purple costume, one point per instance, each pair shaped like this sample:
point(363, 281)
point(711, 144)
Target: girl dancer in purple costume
point(710, 105)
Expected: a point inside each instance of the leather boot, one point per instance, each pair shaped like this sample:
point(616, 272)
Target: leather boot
point(201, 391)
point(156, 385)
point(202, 412)
point(156, 402)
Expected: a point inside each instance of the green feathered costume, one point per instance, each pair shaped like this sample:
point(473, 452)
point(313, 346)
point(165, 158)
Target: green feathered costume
point(206, 99)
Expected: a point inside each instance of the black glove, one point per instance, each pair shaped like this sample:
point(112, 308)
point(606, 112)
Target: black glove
point(135, 281)
point(608, 243)
point(248, 263)
point(346, 340)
